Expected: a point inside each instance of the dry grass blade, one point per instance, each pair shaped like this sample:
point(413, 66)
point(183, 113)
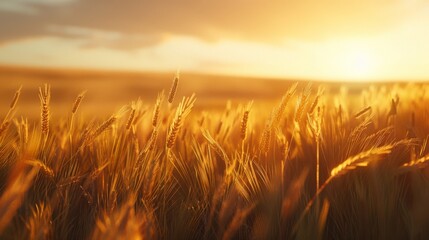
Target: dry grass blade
point(293, 195)
point(11, 199)
point(97, 171)
point(237, 221)
point(215, 145)
point(254, 183)
point(358, 130)
point(4, 126)
point(363, 111)
point(39, 224)
point(125, 224)
point(322, 218)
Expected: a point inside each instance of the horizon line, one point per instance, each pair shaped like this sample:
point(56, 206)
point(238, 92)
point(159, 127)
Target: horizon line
point(95, 70)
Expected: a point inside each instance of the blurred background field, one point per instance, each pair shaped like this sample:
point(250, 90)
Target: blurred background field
point(108, 90)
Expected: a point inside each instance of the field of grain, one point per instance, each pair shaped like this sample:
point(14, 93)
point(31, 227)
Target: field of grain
point(272, 160)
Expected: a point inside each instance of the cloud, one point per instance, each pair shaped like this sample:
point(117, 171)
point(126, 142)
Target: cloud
point(335, 59)
point(303, 39)
point(92, 38)
point(133, 24)
point(27, 6)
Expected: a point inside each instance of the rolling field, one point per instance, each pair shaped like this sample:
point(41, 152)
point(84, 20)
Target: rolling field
point(93, 155)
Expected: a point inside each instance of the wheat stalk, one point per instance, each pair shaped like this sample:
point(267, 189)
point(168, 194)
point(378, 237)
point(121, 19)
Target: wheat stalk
point(302, 103)
point(152, 141)
point(106, 124)
point(315, 101)
point(12, 105)
point(264, 145)
point(237, 221)
point(156, 109)
point(361, 159)
point(216, 146)
point(45, 96)
point(88, 136)
point(4, 126)
point(78, 101)
point(418, 163)
point(173, 88)
point(393, 111)
point(130, 118)
point(244, 121)
point(13, 196)
point(39, 224)
point(314, 104)
point(24, 132)
point(182, 111)
point(43, 168)
point(315, 123)
point(75, 107)
point(363, 111)
point(15, 98)
point(283, 104)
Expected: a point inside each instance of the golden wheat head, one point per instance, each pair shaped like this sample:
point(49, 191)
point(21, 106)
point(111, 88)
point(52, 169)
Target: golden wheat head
point(45, 96)
point(244, 120)
point(173, 89)
point(182, 111)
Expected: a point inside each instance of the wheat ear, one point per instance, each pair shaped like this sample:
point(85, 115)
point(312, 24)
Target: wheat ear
point(279, 112)
point(78, 101)
point(13, 104)
point(182, 111)
point(173, 89)
point(45, 96)
point(156, 109)
point(244, 120)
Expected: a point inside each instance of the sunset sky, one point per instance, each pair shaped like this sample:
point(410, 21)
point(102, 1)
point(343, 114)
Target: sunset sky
point(327, 40)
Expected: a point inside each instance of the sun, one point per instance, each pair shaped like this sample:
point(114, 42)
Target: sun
point(359, 64)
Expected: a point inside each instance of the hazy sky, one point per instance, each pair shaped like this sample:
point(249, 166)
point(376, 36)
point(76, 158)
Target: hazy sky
point(332, 39)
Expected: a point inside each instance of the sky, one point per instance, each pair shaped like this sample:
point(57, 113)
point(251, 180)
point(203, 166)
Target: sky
point(305, 39)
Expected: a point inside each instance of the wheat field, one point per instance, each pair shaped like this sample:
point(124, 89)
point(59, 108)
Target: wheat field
point(313, 164)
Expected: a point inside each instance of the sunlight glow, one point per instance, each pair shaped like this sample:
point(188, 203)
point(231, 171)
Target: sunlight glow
point(328, 41)
point(360, 64)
